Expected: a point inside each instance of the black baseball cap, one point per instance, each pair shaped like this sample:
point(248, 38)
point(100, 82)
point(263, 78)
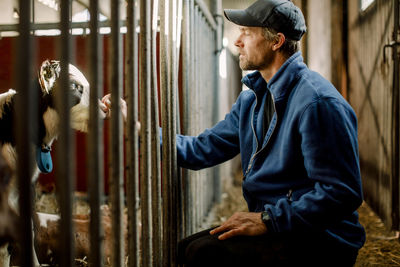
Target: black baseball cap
point(280, 15)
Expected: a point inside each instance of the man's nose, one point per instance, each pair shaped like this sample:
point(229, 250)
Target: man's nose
point(238, 42)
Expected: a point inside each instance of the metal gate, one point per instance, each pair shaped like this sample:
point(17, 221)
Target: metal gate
point(374, 94)
point(171, 203)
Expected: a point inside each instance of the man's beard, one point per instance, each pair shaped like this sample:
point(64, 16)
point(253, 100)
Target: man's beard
point(265, 62)
point(246, 65)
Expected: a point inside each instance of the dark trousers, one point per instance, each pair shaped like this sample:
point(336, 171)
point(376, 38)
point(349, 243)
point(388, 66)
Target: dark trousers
point(203, 249)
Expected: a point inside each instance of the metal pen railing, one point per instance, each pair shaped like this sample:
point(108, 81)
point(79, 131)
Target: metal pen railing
point(172, 203)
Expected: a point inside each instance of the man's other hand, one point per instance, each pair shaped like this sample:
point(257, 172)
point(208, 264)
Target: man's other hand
point(241, 223)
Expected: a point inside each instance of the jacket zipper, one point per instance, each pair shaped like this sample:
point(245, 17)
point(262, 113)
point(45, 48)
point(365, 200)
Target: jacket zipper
point(254, 132)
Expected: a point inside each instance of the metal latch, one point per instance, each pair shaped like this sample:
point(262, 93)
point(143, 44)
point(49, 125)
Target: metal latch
point(391, 45)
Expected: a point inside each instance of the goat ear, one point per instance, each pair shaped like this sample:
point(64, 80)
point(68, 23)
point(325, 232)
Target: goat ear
point(48, 74)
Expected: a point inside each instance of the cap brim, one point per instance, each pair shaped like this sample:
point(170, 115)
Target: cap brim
point(241, 17)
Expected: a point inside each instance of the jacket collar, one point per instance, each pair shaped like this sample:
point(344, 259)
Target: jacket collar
point(280, 83)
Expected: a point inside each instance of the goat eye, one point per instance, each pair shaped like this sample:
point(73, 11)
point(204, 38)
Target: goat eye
point(77, 87)
point(80, 89)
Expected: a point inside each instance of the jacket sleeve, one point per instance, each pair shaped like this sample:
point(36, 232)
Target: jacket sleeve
point(328, 133)
point(213, 146)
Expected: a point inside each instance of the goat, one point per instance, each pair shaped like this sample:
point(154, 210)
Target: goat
point(48, 121)
point(8, 217)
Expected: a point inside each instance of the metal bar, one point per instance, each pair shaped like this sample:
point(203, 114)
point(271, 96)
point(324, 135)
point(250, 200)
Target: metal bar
point(165, 107)
point(180, 186)
point(25, 129)
point(205, 186)
point(201, 111)
point(155, 145)
point(132, 152)
point(185, 118)
point(217, 36)
point(65, 166)
point(196, 115)
point(173, 182)
point(204, 10)
point(217, 10)
point(116, 177)
point(95, 145)
point(192, 115)
point(145, 138)
point(51, 26)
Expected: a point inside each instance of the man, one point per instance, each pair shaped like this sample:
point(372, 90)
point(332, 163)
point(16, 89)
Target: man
point(297, 138)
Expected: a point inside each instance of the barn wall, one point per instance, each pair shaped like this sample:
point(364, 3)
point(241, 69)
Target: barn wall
point(370, 93)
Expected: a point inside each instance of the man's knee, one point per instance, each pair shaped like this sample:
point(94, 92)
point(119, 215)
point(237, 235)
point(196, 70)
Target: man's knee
point(204, 251)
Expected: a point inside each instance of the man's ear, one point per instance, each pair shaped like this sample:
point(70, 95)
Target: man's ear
point(279, 41)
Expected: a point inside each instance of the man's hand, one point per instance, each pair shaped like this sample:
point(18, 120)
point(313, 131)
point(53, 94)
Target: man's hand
point(241, 223)
point(106, 100)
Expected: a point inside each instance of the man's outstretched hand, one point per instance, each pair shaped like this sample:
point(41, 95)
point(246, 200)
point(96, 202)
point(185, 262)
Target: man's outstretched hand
point(241, 223)
point(106, 100)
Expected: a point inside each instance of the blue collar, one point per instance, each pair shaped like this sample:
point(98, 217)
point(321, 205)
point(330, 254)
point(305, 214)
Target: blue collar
point(43, 159)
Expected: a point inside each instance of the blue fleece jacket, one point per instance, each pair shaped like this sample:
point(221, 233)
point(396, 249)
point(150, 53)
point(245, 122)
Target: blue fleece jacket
point(305, 171)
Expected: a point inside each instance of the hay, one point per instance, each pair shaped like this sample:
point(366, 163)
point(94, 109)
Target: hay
point(382, 247)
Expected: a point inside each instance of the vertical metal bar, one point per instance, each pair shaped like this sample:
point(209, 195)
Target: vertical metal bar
point(173, 179)
point(145, 138)
point(65, 166)
point(197, 117)
point(133, 134)
point(155, 145)
point(186, 104)
point(200, 123)
point(165, 104)
point(192, 115)
point(217, 36)
point(200, 111)
point(193, 175)
point(25, 130)
point(116, 181)
point(180, 185)
point(95, 145)
point(206, 95)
